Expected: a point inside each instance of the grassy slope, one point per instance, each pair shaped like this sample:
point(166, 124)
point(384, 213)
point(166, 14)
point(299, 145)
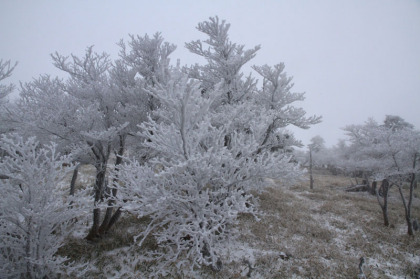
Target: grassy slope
point(302, 233)
point(326, 230)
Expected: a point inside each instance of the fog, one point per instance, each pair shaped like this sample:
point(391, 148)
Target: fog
point(354, 59)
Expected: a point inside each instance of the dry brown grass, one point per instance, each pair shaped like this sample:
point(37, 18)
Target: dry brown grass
point(119, 236)
point(325, 231)
point(303, 233)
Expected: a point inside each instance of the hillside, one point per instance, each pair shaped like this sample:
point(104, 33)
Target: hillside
point(302, 233)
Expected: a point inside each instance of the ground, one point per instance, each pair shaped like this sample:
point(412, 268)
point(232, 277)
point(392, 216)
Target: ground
point(302, 233)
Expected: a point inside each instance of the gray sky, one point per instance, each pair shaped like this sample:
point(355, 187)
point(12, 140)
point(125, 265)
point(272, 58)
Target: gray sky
point(354, 59)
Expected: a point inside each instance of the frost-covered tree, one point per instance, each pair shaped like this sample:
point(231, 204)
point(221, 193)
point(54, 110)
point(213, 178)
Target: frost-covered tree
point(148, 57)
point(214, 139)
point(395, 122)
point(389, 152)
point(334, 159)
point(225, 60)
point(316, 145)
point(337, 156)
point(6, 69)
point(195, 187)
point(35, 216)
point(91, 114)
point(276, 97)
point(80, 114)
point(143, 64)
point(140, 67)
point(208, 137)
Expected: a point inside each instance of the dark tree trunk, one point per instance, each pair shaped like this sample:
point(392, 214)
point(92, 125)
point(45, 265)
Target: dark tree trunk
point(311, 178)
point(99, 191)
point(114, 218)
point(103, 229)
point(385, 216)
point(73, 180)
point(410, 230)
point(28, 249)
point(367, 182)
point(106, 223)
point(373, 188)
point(407, 207)
point(228, 139)
point(384, 205)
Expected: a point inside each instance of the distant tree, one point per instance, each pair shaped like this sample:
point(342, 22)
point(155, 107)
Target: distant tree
point(336, 158)
point(6, 69)
point(317, 144)
point(395, 123)
point(390, 152)
point(35, 217)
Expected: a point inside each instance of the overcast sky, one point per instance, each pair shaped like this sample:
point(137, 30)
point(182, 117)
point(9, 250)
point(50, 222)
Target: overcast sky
point(354, 59)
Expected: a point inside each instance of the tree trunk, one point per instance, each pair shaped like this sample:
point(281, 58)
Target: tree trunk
point(367, 182)
point(28, 249)
point(385, 216)
point(106, 223)
point(311, 178)
point(114, 217)
point(410, 230)
point(384, 205)
point(407, 207)
point(103, 229)
point(373, 188)
point(99, 191)
point(73, 180)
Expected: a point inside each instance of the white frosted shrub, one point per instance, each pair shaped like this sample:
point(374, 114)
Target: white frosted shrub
point(35, 216)
point(195, 187)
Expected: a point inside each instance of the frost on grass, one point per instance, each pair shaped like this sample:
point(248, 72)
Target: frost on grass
point(299, 233)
